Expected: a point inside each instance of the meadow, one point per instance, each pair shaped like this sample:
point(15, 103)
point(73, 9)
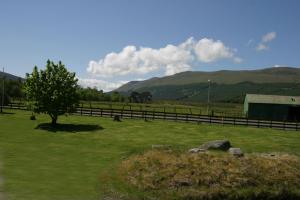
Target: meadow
point(216, 109)
point(72, 160)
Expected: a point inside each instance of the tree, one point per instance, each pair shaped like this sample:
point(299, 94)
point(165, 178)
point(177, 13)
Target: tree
point(143, 97)
point(53, 90)
point(146, 97)
point(134, 97)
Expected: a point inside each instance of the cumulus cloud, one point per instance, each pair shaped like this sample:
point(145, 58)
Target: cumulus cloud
point(171, 59)
point(267, 38)
point(261, 47)
point(100, 84)
point(209, 50)
point(237, 60)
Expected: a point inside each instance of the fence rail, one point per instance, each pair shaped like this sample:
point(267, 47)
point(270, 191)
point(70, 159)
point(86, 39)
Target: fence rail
point(180, 117)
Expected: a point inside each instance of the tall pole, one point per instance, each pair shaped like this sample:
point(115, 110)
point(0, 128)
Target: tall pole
point(208, 97)
point(2, 101)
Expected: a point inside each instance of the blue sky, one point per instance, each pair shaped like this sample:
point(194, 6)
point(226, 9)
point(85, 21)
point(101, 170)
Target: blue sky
point(148, 38)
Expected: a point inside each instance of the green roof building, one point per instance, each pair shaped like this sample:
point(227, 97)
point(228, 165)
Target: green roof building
point(272, 107)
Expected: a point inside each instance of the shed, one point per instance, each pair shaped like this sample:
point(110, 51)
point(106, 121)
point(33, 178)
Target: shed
point(272, 107)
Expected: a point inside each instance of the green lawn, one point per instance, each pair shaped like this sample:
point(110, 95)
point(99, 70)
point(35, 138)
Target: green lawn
point(62, 165)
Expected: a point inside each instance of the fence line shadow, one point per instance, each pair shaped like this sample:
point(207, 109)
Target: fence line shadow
point(6, 113)
point(73, 128)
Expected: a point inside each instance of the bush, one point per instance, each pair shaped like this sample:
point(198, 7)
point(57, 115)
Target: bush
point(214, 176)
point(32, 117)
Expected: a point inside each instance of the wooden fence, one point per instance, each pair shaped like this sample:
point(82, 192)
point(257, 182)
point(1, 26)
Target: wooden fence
point(195, 118)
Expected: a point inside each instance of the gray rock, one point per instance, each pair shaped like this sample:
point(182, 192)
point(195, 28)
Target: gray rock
point(236, 152)
point(216, 145)
point(197, 150)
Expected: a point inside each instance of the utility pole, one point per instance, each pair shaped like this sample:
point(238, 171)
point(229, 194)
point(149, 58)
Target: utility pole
point(2, 101)
point(208, 97)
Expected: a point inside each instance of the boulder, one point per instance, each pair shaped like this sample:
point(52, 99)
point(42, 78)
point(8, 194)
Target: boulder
point(236, 152)
point(197, 150)
point(216, 145)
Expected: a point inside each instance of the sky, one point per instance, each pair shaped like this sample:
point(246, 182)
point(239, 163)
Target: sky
point(108, 43)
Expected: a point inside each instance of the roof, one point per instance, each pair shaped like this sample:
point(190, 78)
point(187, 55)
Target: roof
point(272, 99)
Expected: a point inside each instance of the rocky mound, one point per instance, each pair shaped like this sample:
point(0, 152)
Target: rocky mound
point(171, 175)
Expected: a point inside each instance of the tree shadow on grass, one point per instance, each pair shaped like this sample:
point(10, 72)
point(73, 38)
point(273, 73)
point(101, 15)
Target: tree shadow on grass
point(74, 128)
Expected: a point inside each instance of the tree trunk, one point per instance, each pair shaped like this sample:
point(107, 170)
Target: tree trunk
point(54, 120)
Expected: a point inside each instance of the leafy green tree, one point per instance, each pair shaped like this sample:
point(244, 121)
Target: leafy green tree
point(146, 97)
point(53, 90)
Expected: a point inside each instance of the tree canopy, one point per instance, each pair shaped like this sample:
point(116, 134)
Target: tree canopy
point(53, 90)
point(144, 97)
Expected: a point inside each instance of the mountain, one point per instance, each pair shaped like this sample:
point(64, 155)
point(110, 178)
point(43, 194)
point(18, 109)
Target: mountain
point(226, 85)
point(10, 76)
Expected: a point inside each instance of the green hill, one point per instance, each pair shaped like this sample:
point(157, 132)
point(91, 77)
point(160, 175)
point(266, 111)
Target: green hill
point(226, 86)
point(10, 76)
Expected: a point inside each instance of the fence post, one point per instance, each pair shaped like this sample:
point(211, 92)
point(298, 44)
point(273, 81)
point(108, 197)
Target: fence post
point(258, 123)
point(130, 113)
point(153, 114)
point(210, 119)
point(101, 110)
point(296, 126)
point(186, 117)
point(271, 124)
point(284, 125)
point(111, 112)
point(91, 109)
point(233, 121)
point(81, 111)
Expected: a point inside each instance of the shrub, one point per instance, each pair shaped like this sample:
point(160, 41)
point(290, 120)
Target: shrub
point(32, 117)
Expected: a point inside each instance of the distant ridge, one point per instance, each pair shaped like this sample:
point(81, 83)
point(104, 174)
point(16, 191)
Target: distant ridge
point(10, 76)
point(268, 75)
point(192, 86)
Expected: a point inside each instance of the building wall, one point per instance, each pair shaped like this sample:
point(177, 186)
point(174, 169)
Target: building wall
point(268, 111)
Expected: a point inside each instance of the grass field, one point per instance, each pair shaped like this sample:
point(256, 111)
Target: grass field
point(217, 109)
point(69, 163)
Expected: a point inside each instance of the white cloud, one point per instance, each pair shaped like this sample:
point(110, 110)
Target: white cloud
point(237, 60)
point(279, 66)
point(100, 84)
point(208, 50)
point(171, 58)
point(250, 41)
point(261, 47)
point(268, 37)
